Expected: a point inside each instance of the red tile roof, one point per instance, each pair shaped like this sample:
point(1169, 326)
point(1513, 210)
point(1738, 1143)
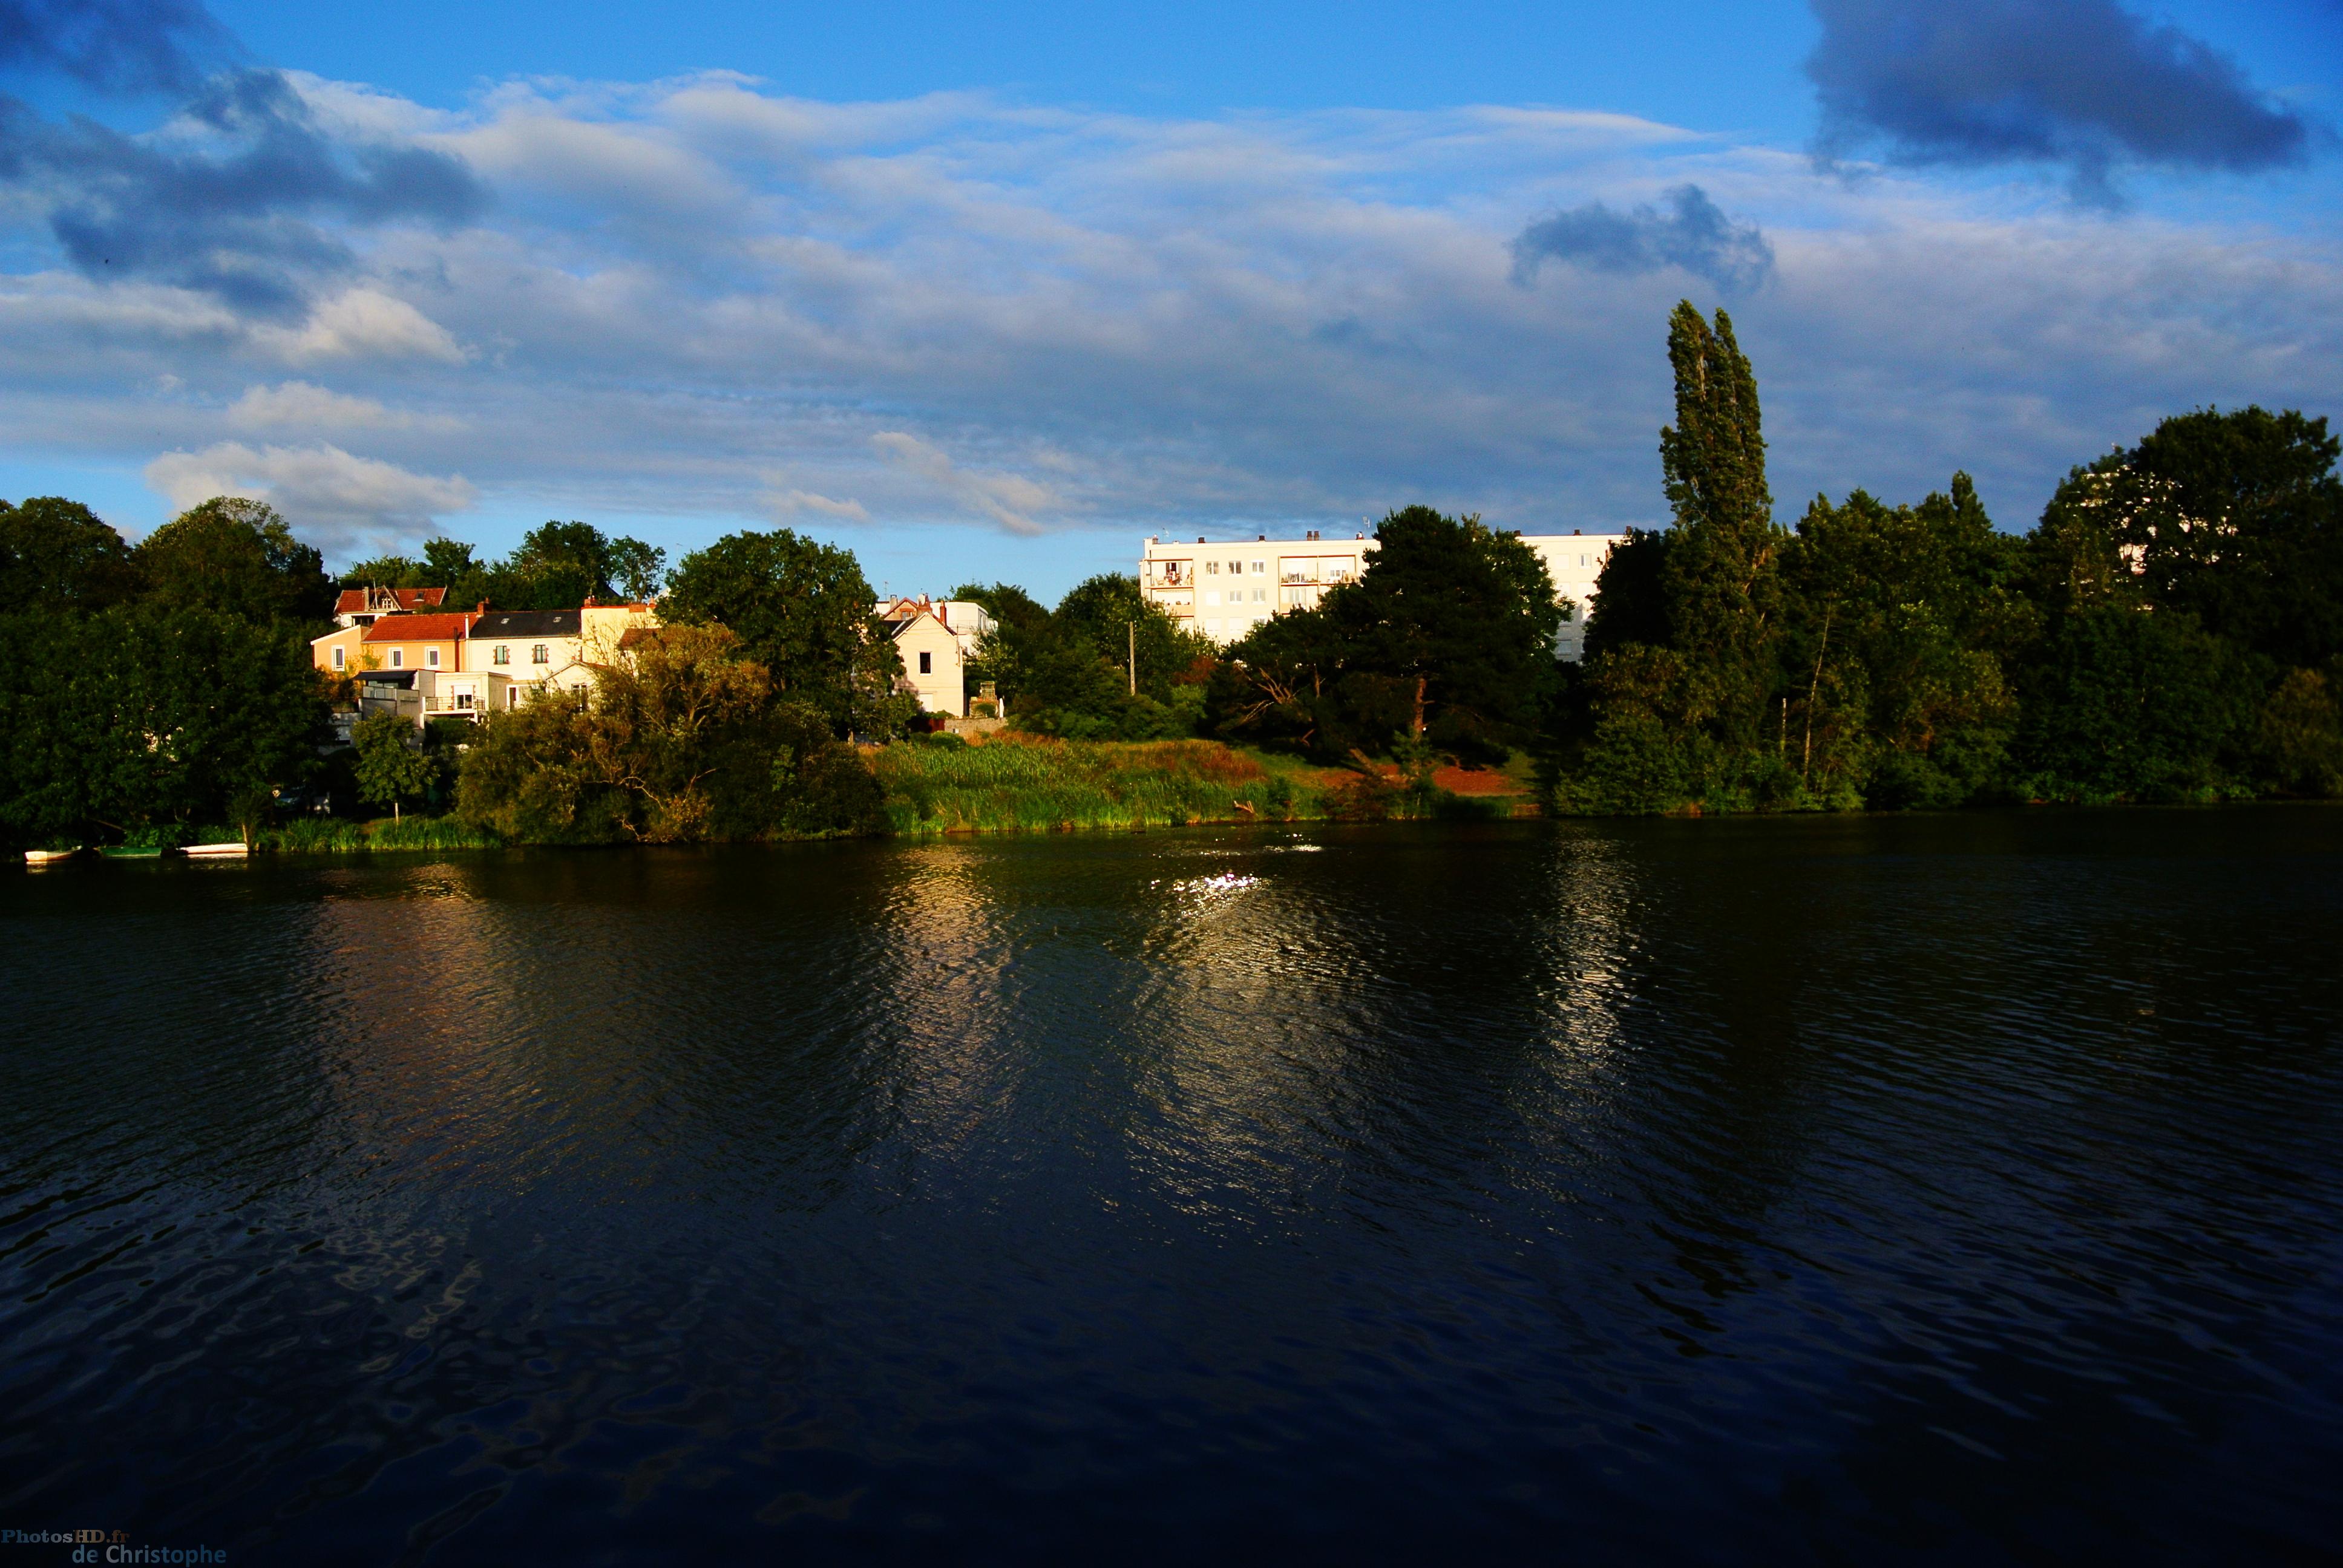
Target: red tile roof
point(354, 599)
point(419, 628)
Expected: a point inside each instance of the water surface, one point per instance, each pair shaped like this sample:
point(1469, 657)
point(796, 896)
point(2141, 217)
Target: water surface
point(1963, 1188)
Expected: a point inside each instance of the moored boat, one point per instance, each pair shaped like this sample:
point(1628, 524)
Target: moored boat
point(131, 852)
point(48, 857)
point(218, 852)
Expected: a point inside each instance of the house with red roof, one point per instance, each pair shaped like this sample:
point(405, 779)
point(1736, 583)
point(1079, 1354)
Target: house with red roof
point(363, 606)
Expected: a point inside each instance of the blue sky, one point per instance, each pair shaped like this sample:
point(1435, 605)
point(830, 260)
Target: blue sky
point(992, 291)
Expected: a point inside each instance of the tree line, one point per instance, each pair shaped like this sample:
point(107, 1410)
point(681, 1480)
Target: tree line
point(2171, 628)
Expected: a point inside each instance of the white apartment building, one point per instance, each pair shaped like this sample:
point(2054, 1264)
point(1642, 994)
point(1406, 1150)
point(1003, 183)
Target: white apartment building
point(1224, 590)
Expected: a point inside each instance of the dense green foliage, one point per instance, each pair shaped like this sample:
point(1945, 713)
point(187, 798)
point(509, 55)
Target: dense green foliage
point(690, 740)
point(559, 565)
point(1446, 641)
point(1108, 664)
point(2170, 630)
point(144, 715)
point(803, 610)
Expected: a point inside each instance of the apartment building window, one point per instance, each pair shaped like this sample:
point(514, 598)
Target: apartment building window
point(1259, 567)
point(503, 654)
point(398, 658)
point(540, 654)
point(462, 702)
point(926, 664)
point(431, 658)
point(1260, 596)
point(338, 656)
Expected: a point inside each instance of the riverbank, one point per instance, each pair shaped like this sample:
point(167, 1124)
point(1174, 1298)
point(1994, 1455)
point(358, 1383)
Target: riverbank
point(1024, 784)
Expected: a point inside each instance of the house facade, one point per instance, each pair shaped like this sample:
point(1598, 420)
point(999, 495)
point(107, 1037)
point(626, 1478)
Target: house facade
point(1225, 589)
point(937, 640)
point(469, 663)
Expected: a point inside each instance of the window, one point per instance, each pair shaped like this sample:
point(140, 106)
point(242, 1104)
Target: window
point(431, 656)
point(512, 697)
point(398, 658)
point(1213, 567)
point(1213, 626)
point(1212, 596)
point(1260, 595)
point(503, 654)
point(926, 664)
point(462, 702)
point(1259, 567)
point(339, 654)
point(540, 654)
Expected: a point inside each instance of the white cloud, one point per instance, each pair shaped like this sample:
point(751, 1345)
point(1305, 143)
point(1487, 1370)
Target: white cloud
point(304, 406)
point(1009, 499)
point(788, 503)
point(703, 301)
point(363, 323)
point(330, 496)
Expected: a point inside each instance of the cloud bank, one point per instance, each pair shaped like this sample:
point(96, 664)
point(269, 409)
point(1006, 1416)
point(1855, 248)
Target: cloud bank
point(2082, 84)
point(704, 302)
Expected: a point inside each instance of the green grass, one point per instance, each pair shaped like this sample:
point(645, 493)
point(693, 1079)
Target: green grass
point(334, 835)
point(1036, 785)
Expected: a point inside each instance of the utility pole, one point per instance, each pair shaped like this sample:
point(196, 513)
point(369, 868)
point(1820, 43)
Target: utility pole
point(1131, 630)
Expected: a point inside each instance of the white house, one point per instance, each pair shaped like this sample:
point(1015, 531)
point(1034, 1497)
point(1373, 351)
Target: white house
point(937, 640)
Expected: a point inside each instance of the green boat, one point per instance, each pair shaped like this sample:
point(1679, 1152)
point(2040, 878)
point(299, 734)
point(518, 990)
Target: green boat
point(132, 851)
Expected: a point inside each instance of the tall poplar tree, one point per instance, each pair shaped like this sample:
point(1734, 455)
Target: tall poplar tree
point(1720, 577)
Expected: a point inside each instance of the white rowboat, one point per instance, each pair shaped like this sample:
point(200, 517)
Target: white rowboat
point(219, 851)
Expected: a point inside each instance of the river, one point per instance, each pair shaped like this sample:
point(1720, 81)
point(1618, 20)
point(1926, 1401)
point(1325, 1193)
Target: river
point(1955, 1188)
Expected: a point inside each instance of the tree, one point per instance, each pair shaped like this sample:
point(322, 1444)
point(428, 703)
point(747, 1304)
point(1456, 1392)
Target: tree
point(392, 571)
point(1108, 664)
point(804, 610)
point(686, 743)
point(56, 555)
point(391, 763)
point(149, 714)
point(1463, 619)
point(1017, 618)
point(237, 557)
point(1695, 627)
point(1897, 624)
point(1722, 552)
point(560, 566)
point(2237, 518)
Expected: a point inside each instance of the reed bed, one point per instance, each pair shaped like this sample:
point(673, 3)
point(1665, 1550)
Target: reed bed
point(334, 835)
point(1037, 786)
